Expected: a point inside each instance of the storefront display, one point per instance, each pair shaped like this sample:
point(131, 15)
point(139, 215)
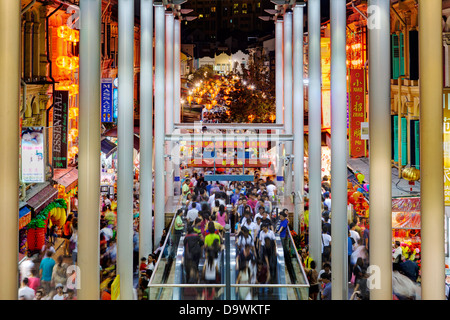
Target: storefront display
point(406, 224)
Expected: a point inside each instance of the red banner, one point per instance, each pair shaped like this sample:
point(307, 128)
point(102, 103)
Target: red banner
point(228, 144)
point(357, 113)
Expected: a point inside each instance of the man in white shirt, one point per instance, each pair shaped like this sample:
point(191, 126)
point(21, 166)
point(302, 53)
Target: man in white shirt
point(192, 213)
point(397, 254)
point(26, 292)
point(265, 233)
point(26, 266)
point(271, 190)
point(354, 235)
point(327, 200)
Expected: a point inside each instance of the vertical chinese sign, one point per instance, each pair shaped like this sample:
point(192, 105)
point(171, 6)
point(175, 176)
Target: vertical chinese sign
point(446, 115)
point(60, 124)
point(107, 100)
point(357, 113)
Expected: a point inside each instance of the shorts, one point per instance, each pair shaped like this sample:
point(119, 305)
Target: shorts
point(314, 288)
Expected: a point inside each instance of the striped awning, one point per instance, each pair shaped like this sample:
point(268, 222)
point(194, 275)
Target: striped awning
point(66, 177)
point(43, 198)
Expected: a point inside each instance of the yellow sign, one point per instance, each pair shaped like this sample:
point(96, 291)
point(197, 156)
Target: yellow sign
point(447, 147)
point(115, 288)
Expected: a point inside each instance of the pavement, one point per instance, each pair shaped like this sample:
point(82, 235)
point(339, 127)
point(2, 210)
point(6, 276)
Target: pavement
point(400, 186)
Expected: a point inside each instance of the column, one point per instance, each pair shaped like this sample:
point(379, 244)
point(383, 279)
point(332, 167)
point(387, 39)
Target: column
point(315, 132)
point(169, 110)
point(380, 148)
point(279, 69)
point(338, 150)
point(431, 150)
point(177, 69)
point(279, 93)
point(287, 42)
point(177, 95)
point(298, 109)
point(89, 163)
point(146, 131)
point(10, 34)
point(159, 121)
point(125, 124)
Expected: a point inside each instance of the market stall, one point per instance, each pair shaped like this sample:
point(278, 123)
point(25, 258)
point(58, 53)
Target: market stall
point(406, 224)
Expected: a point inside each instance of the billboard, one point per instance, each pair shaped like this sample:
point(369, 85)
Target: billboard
point(60, 124)
point(107, 100)
point(33, 160)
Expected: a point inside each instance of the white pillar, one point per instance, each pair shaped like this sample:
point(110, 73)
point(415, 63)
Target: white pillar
point(177, 92)
point(380, 148)
point(315, 132)
point(298, 110)
point(125, 125)
point(279, 94)
point(339, 151)
point(169, 110)
point(279, 69)
point(431, 150)
point(10, 30)
point(288, 94)
point(146, 131)
point(177, 70)
point(159, 120)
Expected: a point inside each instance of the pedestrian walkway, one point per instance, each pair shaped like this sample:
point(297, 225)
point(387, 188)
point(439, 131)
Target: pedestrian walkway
point(400, 186)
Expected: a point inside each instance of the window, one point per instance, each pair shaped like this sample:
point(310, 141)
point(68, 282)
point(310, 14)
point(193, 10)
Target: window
point(213, 9)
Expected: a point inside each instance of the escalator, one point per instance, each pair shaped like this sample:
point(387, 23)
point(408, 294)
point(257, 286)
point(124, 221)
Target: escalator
point(169, 279)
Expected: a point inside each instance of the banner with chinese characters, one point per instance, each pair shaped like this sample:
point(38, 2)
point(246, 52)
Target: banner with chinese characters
point(357, 113)
point(447, 147)
point(60, 128)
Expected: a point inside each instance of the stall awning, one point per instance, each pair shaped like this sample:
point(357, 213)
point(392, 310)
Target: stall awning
point(66, 177)
point(43, 198)
point(108, 147)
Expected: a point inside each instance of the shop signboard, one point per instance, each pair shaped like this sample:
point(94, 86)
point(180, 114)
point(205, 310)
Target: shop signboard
point(33, 159)
point(60, 128)
point(357, 111)
point(447, 147)
point(107, 100)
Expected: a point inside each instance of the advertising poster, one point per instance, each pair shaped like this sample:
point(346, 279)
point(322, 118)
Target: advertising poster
point(60, 128)
point(357, 113)
point(33, 160)
point(107, 100)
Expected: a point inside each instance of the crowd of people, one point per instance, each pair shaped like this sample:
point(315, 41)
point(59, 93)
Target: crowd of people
point(247, 207)
point(44, 275)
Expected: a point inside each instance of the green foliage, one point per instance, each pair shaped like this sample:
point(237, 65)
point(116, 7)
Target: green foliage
point(247, 102)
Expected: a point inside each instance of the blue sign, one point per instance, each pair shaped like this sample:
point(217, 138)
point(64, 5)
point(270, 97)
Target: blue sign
point(115, 103)
point(107, 100)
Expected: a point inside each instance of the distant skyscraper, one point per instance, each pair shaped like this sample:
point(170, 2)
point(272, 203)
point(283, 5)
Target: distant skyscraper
point(225, 24)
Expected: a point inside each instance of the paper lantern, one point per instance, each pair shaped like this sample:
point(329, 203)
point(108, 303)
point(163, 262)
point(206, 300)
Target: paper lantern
point(62, 62)
point(411, 174)
point(64, 32)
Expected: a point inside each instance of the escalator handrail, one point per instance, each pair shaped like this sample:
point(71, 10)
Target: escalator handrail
point(299, 260)
point(172, 223)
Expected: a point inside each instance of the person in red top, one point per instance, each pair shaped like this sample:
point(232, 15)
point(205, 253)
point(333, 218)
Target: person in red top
point(106, 294)
point(143, 265)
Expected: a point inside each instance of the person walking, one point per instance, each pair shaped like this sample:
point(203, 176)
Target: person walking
point(59, 274)
point(67, 234)
point(25, 291)
point(179, 227)
point(46, 271)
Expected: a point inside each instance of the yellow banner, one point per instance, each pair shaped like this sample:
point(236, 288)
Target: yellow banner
point(446, 105)
point(115, 288)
